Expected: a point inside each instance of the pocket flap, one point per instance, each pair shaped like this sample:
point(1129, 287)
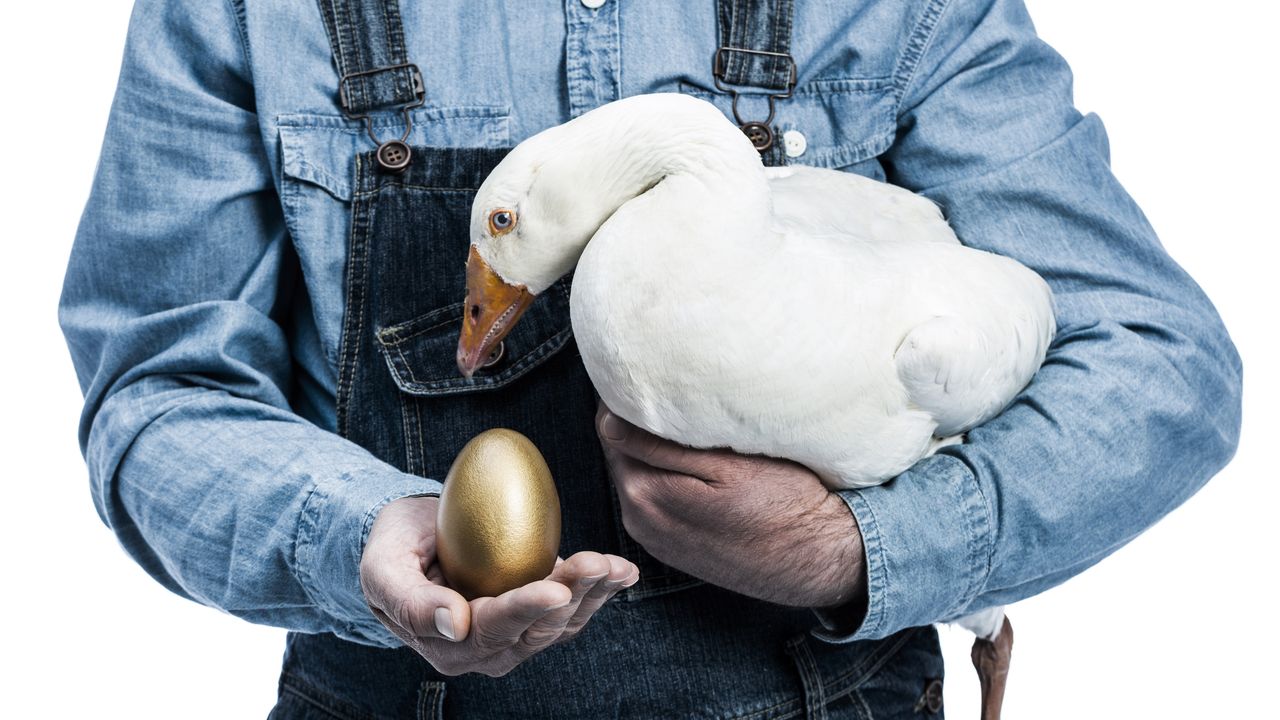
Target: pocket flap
point(321, 149)
point(421, 353)
point(844, 121)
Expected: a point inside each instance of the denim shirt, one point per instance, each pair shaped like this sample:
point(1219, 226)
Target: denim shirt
point(204, 299)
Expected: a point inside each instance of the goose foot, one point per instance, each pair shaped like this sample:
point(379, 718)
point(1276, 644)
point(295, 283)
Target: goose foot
point(991, 660)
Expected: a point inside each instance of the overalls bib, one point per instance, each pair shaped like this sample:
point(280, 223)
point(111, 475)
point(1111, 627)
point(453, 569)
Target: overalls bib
point(669, 646)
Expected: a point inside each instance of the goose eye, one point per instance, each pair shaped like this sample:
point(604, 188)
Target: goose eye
point(501, 221)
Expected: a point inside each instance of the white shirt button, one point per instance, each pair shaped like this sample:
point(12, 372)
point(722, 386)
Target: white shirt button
point(593, 4)
point(793, 142)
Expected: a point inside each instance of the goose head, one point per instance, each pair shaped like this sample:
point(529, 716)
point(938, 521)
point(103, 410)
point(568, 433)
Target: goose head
point(535, 213)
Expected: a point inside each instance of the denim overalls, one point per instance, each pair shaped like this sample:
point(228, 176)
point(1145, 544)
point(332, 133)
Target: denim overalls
point(668, 647)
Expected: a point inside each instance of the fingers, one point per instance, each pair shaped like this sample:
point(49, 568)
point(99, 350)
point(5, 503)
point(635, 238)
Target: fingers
point(619, 435)
point(501, 632)
point(498, 623)
point(652, 499)
point(622, 573)
point(582, 574)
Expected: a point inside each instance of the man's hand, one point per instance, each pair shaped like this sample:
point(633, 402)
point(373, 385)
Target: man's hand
point(758, 526)
point(489, 635)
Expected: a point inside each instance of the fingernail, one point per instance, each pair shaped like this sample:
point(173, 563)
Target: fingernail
point(444, 623)
point(615, 429)
point(631, 582)
point(561, 606)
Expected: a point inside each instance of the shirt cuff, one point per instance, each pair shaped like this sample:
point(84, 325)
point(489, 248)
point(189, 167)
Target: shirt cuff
point(335, 524)
point(928, 535)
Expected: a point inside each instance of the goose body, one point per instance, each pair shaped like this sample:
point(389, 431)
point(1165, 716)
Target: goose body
point(799, 313)
point(851, 334)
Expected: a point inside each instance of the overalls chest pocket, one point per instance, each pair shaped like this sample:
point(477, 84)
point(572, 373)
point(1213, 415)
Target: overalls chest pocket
point(420, 352)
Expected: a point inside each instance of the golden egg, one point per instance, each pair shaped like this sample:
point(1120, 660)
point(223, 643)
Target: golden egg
point(499, 520)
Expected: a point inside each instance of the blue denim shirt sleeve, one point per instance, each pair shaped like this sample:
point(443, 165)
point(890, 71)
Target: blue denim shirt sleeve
point(173, 310)
point(1138, 403)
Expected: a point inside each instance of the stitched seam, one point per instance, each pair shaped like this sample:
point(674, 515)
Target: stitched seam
point(309, 693)
point(817, 88)
point(313, 702)
point(430, 697)
point(396, 336)
point(391, 44)
point(782, 41)
point(849, 154)
point(310, 121)
point(422, 448)
point(977, 521)
point(737, 38)
point(326, 19)
point(617, 50)
point(408, 186)
point(869, 667)
point(917, 45)
point(399, 50)
point(326, 181)
point(808, 669)
point(861, 705)
point(405, 433)
point(876, 580)
point(873, 664)
point(774, 63)
point(303, 546)
point(865, 671)
point(408, 368)
point(364, 290)
point(777, 707)
point(237, 9)
point(355, 292)
point(342, 25)
point(841, 153)
point(355, 20)
point(527, 362)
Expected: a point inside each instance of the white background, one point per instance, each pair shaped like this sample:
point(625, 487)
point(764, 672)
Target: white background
point(1178, 624)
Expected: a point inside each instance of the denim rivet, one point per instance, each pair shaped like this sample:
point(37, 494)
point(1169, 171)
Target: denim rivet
point(931, 700)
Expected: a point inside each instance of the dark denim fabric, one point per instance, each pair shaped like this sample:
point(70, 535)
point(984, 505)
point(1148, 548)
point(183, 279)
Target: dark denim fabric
point(682, 655)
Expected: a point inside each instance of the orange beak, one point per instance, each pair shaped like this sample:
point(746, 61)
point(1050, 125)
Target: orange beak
point(493, 306)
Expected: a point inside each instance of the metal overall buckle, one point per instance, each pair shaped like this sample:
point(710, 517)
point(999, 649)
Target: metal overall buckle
point(760, 132)
point(393, 155)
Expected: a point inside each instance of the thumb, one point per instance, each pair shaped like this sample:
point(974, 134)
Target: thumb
point(422, 608)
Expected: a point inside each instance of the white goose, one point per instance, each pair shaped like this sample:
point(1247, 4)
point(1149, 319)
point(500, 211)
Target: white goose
point(796, 312)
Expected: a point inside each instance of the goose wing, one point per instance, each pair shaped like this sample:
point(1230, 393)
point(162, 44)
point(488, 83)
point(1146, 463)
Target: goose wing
point(817, 201)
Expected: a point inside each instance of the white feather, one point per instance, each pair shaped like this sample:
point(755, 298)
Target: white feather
point(797, 312)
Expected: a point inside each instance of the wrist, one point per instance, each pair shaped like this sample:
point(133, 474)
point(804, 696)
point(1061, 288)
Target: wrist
point(845, 582)
point(332, 533)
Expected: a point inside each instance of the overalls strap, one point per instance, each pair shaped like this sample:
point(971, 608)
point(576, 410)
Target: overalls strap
point(367, 38)
point(754, 52)
point(755, 44)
